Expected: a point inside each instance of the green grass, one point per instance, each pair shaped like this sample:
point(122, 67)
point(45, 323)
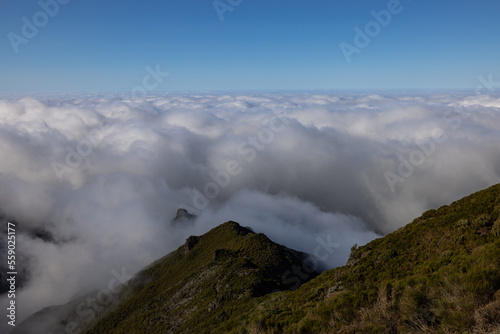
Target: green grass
point(206, 289)
point(440, 273)
point(436, 273)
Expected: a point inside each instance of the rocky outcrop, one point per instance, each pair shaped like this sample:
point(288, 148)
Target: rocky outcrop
point(183, 216)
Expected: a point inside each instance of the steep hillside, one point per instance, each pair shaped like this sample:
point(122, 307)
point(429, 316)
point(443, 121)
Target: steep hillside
point(438, 274)
point(210, 280)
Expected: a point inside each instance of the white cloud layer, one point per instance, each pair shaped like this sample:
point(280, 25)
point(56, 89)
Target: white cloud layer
point(104, 176)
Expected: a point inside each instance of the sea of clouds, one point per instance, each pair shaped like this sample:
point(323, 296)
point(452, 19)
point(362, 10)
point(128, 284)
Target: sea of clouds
point(94, 181)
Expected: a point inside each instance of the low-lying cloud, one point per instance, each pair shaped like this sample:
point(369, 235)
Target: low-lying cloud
point(95, 181)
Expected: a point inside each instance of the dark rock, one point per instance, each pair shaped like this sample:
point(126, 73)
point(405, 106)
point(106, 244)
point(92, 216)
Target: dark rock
point(183, 216)
point(190, 243)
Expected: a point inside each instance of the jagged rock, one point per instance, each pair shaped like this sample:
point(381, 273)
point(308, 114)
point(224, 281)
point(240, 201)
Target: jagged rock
point(209, 292)
point(190, 243)
point(183, 216)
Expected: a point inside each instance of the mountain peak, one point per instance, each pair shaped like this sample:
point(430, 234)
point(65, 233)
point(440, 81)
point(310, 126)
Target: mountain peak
point(183, 216)
point(439, 273)
point(211, 276)
point(203, 279)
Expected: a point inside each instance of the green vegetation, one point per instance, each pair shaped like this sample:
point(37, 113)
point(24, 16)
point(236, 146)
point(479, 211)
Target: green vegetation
point(438, 274)
point(207, 285)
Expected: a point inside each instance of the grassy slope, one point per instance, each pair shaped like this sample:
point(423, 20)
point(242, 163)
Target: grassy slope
point(440, 273)
point(196, 291)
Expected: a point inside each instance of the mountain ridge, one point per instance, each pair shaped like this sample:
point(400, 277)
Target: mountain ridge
point(438, 274)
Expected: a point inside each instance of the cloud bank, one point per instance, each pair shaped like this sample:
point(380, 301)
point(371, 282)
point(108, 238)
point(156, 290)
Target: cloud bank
point(94, 181)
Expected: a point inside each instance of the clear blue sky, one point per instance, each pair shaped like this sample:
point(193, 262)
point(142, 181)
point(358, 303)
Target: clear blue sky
point(274, 44)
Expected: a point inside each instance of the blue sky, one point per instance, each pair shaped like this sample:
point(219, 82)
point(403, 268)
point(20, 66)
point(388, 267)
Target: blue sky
point(278, 45)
